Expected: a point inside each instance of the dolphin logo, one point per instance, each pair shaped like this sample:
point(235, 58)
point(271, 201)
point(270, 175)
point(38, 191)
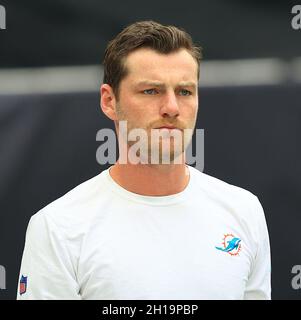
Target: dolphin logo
point(232, 245)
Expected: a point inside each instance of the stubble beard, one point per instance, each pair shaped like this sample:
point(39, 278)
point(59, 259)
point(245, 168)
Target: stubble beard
point(163, 151)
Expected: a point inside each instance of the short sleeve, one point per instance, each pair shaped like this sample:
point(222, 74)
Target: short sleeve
point(46, 271)
point(259, 283)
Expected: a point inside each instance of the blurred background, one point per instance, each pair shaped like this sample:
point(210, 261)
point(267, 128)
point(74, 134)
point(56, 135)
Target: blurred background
point(249, 107)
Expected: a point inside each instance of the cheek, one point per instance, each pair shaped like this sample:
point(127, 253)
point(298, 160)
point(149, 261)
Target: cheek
point(189, 110)
point(136, 116)
point(194, 107)
point(141, 112)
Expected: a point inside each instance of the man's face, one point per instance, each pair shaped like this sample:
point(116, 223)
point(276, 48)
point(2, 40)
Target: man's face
point(159, 90)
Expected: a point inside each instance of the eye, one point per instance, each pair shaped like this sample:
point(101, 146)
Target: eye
point(185, 92)
point(149, 91)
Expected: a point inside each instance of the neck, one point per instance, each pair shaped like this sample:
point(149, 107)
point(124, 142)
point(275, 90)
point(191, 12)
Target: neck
point(150, 179)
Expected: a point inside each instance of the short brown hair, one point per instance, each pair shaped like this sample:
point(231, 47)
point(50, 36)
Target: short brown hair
point(149, 34)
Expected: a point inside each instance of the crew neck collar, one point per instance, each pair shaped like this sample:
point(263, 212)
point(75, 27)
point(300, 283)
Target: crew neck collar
point(150, 200)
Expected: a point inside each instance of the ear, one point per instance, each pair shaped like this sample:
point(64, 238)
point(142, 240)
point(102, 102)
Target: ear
point(108, 101)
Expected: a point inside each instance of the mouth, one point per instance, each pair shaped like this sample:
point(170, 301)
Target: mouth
point(169, 128)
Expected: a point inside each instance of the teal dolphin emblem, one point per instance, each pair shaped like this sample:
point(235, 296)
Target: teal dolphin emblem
point(232, 245)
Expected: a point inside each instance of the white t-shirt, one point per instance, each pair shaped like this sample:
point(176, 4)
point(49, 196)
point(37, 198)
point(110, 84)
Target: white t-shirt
point(100, 241)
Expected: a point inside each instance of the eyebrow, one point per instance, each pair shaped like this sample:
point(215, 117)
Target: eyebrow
point(162, 85)
point(188, 84)
point(150, 83)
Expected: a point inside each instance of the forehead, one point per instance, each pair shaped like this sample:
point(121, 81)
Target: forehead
point(145, 63)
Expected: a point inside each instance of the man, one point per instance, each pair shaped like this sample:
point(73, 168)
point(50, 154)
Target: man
point(149, 230)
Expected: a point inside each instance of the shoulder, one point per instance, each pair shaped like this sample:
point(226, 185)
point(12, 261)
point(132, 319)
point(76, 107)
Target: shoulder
point(214, 186)
point(74, 211)
point(235, 199)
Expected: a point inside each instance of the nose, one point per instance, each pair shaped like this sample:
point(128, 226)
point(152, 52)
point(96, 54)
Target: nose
point(170, 107)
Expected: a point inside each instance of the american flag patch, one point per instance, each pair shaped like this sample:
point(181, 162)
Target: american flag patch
point(23, 285)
